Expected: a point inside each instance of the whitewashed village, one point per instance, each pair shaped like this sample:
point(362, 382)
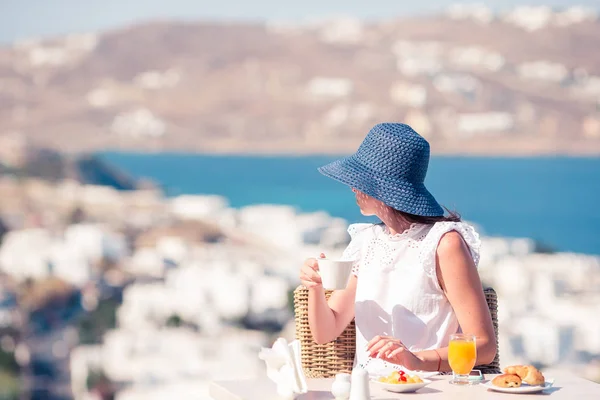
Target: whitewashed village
point(187, 289)
point(204, 286)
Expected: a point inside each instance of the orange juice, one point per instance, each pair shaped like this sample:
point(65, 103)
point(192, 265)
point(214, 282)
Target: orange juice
point(462, 355)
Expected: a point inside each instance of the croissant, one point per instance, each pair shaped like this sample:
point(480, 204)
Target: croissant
point(528, 373)
point(507, 381)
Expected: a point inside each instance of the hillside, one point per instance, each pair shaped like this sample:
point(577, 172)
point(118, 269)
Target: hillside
point(50, 165)
point(471, 85)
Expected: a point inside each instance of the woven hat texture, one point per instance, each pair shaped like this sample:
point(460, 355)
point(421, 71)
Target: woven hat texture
point(390, 165)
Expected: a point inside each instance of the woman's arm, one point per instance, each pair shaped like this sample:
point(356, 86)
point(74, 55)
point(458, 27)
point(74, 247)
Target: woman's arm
point(328, 319)
point(460, 281)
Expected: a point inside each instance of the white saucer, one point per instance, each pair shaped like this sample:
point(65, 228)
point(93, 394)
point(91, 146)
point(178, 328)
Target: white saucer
point(401, 387)
point(524, 388)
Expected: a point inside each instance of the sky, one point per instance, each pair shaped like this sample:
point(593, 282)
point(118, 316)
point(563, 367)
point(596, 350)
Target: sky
point(20, 19)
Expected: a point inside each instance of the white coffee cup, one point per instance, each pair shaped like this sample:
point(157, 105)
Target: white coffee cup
point(334, 273)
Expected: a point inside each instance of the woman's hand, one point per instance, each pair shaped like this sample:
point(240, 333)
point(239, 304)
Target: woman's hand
point(393, 351)
point(309, 275)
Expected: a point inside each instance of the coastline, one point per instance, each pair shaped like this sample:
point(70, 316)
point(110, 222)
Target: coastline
point(505, 148)
point(523, 196)
point(292, 154)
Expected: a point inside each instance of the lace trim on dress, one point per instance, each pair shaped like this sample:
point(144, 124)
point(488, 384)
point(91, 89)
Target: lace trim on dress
point(381, 250)
point(359, 233)
point(408, 232)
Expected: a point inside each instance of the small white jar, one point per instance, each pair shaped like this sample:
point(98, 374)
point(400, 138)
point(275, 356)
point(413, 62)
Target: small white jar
point(340, 389)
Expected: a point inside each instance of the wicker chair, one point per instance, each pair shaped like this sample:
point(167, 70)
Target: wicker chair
point(326, 360)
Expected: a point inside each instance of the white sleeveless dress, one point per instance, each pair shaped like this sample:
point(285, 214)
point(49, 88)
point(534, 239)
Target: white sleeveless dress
point(398, 292)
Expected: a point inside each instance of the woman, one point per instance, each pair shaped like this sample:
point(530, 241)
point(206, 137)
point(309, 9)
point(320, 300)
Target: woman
point(415, 280)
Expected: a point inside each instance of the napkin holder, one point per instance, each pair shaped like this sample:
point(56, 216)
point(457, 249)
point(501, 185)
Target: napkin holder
point(284, 368)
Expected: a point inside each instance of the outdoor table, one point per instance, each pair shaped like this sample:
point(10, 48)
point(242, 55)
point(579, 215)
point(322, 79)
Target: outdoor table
point(567, 386)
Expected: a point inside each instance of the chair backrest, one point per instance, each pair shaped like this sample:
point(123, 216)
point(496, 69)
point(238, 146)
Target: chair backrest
point(492, 301)
point(326, 360)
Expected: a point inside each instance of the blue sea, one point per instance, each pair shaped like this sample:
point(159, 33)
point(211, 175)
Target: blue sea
point(553, 200)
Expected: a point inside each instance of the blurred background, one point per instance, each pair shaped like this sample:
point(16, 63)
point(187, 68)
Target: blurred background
point(158, 184)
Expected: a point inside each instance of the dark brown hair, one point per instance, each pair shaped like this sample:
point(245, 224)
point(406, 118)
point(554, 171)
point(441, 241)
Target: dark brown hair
point(452, 216)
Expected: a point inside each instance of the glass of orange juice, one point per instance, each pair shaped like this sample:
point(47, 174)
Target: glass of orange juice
point(462, 354)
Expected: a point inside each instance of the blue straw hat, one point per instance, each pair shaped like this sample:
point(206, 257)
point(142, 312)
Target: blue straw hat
point(390, 165)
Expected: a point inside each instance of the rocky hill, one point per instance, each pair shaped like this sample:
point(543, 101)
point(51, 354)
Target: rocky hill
point(50, 165)
point(527, 82)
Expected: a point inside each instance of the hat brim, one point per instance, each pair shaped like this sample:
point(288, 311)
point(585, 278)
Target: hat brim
point(397, 193)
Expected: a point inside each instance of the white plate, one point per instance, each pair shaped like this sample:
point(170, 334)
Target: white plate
point(524, 388)
point(420, 374)
point(424, 374)
point(401, 387)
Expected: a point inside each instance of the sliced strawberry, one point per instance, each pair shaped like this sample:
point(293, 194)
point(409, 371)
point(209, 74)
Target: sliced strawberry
point(403, 378)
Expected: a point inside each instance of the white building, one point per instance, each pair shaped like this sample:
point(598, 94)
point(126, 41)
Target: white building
point(319, 228)
point(273, 224)
point(70, 263)
point(25, 254)
point(96, 242)
point(344, 30)
point(469, 124)
point(588, 87)
point(463, 84)
point(415, 66)
point(575, 15)
point(341, 114)
point(36, 254)
point(198, 207)
point(156, 80)
point(111, 93)
point(82, 361)
point(530, 18)
point(337, 116)
point(72, 49)
point(200, 294)
point(475, 57)
point(146, 261)
point(408, 94)
point(283, 227)
point(474, 12)
point(173, 248)
point(269, 293)
point(545, 71)
point(100, 97)
point(140, 123)
point(145, 306)
point(330, 87)
point(418, 58)
point(48, 56)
